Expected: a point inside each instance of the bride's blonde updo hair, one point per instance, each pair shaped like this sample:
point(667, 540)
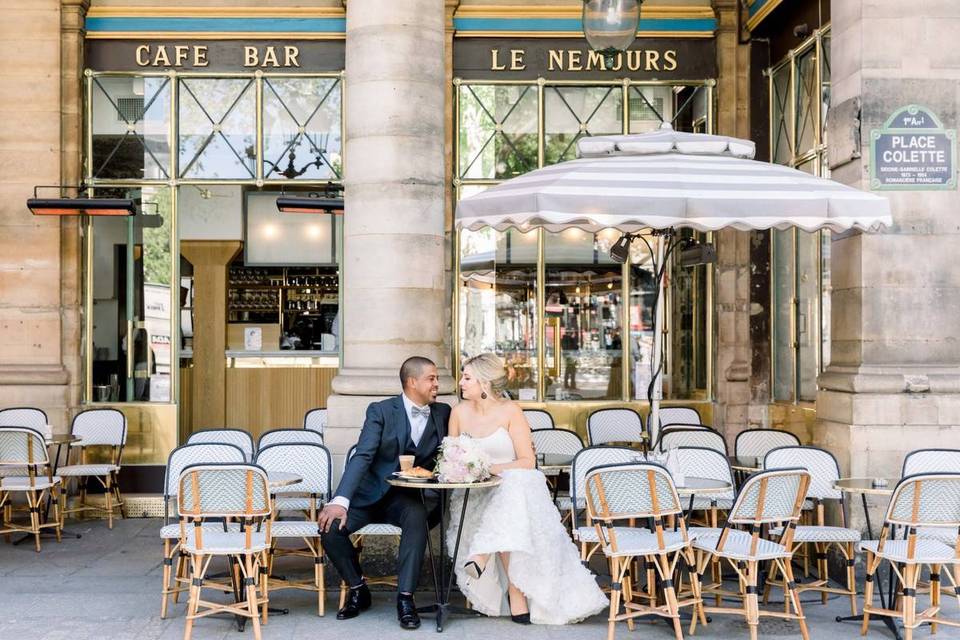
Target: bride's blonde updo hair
point(488, 368)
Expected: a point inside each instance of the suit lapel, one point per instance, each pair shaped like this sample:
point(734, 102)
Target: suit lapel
point(402, 424)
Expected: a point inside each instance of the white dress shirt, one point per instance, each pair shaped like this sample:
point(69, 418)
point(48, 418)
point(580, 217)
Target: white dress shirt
point(418, 425)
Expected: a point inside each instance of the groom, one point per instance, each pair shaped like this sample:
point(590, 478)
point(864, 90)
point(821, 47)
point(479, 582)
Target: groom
point(412, 423)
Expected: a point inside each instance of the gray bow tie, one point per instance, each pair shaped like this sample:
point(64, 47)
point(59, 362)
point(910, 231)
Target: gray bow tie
point(420, 411)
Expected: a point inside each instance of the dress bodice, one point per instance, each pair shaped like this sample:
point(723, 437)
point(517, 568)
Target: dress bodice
point(499, 446)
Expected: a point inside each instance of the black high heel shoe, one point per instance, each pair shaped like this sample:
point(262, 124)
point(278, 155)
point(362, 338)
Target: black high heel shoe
point(523, 618)
point(473, 569)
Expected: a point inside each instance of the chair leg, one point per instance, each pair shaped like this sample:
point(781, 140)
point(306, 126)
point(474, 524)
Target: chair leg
point(851, 576)
point(872, 564)
point(196, 565)
point(751, 602)
point(108, 501)
point(795, 598)
point(934, 594)
point(181, 572)
point(910, 573)
point(615, 587)
point(165, 591)
point(251, 589)
point(319, 578)
point(670, 595)
point(821, 550)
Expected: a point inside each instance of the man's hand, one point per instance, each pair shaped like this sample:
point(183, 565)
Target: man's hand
point(330, 513)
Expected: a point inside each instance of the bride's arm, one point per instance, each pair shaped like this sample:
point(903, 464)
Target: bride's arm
point(522, 444)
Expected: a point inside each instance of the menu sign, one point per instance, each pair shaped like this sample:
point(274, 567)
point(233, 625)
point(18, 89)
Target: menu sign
point(913, 151)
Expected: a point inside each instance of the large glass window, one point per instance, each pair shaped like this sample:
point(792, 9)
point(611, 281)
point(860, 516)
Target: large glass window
point(595, 317)
point(800, 284)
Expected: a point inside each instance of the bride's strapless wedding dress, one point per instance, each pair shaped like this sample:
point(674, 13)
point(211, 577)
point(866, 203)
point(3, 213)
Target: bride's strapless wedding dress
point(519, 517)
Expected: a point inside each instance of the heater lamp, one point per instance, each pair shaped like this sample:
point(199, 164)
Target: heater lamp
point(312, 204)
point(78, 206)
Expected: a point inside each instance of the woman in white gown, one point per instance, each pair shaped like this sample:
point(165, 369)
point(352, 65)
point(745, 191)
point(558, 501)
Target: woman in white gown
point(520, 558)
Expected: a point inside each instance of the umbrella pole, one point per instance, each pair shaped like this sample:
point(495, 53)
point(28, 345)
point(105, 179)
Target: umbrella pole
point(654, 392)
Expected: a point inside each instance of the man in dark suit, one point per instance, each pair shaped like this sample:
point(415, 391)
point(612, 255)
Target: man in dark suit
point(412, 423)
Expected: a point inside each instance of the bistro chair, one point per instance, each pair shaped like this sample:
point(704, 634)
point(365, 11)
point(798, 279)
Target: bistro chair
point(933, 461)
point(614, 425)
point(289, 436)
point(312, 462)
point(618, 494)
point(230, 491)
point(316, 420)
point(97, 428)
point(756, 443)
point(538, 419)
point(236, 437)
point(684, 436)
point(375, 530)
point(824, 473)
point(584, 533)
point(921, 501)
point(24, 448)
point(766, 498)
point(175, 582)
point(29, 417)
point(687, 416)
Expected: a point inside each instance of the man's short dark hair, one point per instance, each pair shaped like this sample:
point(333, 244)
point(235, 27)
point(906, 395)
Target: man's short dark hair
point(413, 368)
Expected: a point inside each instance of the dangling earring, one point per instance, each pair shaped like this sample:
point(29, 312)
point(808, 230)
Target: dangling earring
point(483, 395)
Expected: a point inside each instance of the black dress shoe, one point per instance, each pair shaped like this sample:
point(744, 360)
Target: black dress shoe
point(357, 600)
point(407, 613)
point(523, 618)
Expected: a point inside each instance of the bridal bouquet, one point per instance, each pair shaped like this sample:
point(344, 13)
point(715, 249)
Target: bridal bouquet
point(462, 459)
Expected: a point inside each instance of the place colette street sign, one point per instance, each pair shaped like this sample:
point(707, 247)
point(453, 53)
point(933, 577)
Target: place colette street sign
point(913, 151)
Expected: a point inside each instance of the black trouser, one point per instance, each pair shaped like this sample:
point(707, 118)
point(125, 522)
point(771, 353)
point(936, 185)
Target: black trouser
point(399, 507)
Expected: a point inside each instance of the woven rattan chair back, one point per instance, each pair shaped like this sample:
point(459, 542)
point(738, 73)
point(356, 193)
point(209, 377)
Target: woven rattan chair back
point(770, 496)
point(223, 490)
point(289, 436)
point(236, 437)
point(822, 466)
point(926, 500)
point(316, 420)
point(672, 416)
point(195, 453)
point(538, 419)
point(556, 441)
point(702, 437)
point(614, 425)
point(703, 462)
point(26, 417)
point(309, 460)
point(587, 460)
point(756, 443)
point(22, 447)
point(631, 490)
point(100, 427)
point(931, 461)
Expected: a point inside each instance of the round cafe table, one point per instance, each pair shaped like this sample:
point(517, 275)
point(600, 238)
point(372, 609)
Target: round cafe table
point(443, 584)
point(867, 487)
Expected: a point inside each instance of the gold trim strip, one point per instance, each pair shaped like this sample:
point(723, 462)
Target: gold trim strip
point(758, 17)
point(574, 11)
point(213, 35)
point(578, 34)
point(217, 12)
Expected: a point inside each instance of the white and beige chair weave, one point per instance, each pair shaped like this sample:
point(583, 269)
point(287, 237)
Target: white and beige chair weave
point(374, 530)
point(538, 419)
point(766, 498)
point(933, 461)
point(316, 420)
point(556, 442)
point(237, 492)
point(922, 501)
point(669, 416)
point(312, 462)
point(582, 529)
point(24, 448)
point(97, 429)
point(236, 437)
point(35, 419)
point(617, 494)
point(684, 436)
point(175, 581)
point(756, 443)
point(824, 473)
point(289, 436)
point(614, 425)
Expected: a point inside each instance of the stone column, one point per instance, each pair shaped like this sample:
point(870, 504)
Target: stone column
point(894, 380)
point(394, 287)
point(732, 305)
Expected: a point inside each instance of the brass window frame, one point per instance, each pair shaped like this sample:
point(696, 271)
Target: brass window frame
point(459, 183)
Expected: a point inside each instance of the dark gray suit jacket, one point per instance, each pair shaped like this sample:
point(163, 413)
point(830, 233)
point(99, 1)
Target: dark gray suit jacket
point(383, 439)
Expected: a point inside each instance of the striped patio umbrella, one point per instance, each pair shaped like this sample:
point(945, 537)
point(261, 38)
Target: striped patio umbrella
point(667, 180)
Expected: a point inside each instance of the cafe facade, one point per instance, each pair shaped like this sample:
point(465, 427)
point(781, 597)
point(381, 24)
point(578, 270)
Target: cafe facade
point(212, 309)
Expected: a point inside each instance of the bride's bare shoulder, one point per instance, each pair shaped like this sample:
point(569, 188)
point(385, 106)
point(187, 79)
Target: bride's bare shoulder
point(460, 409)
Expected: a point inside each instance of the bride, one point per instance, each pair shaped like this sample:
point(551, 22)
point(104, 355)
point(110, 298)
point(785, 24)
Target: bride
point(521, 560)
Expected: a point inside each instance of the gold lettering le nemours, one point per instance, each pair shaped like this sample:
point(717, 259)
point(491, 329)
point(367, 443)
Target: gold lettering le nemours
point(162, 55)
point(578, 60)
